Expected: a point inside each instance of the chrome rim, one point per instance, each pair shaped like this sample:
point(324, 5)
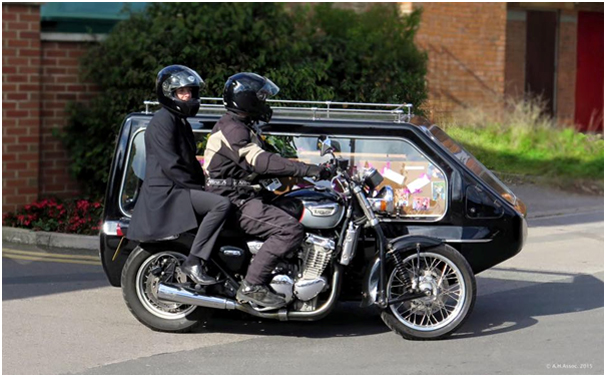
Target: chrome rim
point(147, 285)
point(437, 274)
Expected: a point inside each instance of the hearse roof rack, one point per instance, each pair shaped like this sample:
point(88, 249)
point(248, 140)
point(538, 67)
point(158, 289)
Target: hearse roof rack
point(317, 110)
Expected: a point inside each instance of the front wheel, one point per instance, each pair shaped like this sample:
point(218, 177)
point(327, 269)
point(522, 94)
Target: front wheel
point(141, 276)
point(441, 270)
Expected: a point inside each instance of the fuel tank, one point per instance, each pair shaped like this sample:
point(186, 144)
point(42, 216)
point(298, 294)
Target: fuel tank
point(315, 209)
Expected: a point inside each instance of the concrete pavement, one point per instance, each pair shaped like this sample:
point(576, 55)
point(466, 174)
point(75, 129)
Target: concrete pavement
point(540, 312)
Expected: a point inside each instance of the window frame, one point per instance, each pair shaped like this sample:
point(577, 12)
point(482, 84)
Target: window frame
point(417, 218)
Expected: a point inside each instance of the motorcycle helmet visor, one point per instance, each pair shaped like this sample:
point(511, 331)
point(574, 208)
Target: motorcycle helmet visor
point(182, 80)
point(268, 90)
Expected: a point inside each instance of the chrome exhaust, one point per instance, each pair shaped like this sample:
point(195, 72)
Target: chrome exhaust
point(170, 292)
point(180, 295)
point(326, 308)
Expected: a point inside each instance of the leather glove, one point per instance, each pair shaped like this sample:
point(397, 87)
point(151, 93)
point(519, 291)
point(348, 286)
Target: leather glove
point(319, 172)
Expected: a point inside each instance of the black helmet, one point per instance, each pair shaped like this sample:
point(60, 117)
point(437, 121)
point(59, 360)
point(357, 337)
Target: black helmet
point(245, 94)
point(172, 78)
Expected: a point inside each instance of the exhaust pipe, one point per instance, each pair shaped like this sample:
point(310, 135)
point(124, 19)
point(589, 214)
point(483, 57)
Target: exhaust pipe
point(173, 293)
point(170, 292)
point(180, 295)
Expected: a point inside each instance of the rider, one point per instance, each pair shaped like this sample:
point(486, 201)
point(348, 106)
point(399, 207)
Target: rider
point(172, 196)
point(234, 156)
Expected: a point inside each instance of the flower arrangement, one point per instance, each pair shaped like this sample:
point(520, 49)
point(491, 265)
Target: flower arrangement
point(79, 216)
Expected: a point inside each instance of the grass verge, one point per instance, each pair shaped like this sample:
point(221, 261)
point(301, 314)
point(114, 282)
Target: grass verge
point(522, 144)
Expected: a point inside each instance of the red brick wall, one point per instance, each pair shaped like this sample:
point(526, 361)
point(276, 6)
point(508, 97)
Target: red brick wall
point(20, 104)
point(466, 47)
point(515, 54)
point(39, 78)
point(567, 67)
point(60, 84)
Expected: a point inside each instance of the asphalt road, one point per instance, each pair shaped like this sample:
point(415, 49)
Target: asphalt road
point(541, 312)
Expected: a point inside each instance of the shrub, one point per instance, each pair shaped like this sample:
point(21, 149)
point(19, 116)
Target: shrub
point(373, 53)
point(320, 54)
point(54, 215)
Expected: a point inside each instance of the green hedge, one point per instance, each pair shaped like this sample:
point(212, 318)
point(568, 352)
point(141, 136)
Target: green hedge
point(316, 53)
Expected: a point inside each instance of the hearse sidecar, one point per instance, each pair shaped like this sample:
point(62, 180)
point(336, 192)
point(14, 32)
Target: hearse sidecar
point(438, 189)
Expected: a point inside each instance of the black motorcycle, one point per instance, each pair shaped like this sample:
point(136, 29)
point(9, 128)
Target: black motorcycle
point(424, 288)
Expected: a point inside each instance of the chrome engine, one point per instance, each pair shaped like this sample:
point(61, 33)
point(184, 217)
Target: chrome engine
point(315, 255)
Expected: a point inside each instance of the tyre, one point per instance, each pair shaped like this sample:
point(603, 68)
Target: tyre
point(141, 276)
point(445, 272)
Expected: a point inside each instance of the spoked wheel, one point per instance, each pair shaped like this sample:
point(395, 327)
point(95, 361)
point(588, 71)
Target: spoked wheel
point(141, 277)
point(444, 273)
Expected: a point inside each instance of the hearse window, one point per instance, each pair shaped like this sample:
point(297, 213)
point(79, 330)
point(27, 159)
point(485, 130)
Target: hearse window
point(473, 164)
point(135, 173)
point(420, 187)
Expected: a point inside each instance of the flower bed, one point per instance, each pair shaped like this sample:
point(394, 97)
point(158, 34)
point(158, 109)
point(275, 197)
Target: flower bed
point(78, 216)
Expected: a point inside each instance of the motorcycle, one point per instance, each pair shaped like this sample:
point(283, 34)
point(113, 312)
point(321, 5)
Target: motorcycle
point(424, 288)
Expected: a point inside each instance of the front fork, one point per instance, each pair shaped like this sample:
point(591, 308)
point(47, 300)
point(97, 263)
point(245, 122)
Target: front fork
point(381, 299)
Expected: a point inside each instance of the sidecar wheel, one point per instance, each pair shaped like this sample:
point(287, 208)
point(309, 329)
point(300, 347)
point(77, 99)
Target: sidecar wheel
point(139, 289)
point(445, 272)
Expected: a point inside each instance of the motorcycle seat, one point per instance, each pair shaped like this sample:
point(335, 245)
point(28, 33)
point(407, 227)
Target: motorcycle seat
point(231, 233)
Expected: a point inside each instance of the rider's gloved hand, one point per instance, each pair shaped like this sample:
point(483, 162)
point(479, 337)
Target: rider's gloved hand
point(320, 172)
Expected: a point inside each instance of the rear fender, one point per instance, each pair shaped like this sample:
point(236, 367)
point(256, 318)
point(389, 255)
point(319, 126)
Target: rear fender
point(400, 245)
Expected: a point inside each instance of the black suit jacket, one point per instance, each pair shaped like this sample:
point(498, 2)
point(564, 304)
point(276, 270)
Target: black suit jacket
point(164, 206)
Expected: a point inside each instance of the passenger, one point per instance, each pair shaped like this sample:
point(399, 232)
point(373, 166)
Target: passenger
point(234, 155)
point(172, 196)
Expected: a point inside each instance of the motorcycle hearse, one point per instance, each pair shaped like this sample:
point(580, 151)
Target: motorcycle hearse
point(407, 220)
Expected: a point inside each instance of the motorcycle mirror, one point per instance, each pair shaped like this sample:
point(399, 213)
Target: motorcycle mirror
point(326, 145)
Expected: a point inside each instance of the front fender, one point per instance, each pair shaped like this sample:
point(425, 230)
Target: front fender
point(409, 242)
point(400, 244)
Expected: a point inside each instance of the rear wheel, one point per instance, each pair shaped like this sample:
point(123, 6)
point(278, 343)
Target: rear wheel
point(141, 277)
point(441, 270)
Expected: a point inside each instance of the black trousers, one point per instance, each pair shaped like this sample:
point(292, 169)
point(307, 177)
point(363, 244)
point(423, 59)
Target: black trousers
point(214, 210)
point(280, 232)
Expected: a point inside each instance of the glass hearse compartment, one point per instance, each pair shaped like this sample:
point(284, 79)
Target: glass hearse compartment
point(438, 188)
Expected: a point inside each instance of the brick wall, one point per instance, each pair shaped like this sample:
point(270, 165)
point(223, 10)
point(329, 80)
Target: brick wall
point(20, 104)
point(60, 84)
point(515, 54)
point(466, 47)
point(39, 78)
point(567, 66)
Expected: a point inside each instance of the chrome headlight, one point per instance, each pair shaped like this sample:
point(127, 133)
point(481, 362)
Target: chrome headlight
point(383, 202)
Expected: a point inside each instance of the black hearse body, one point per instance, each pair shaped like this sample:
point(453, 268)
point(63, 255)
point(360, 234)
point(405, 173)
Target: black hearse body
point(446, 192)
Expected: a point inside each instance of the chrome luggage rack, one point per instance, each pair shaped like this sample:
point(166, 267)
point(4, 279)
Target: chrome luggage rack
point(317, 110)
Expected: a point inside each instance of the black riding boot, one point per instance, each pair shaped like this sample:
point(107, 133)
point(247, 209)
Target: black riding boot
point(260, 295)
point(196, 272)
